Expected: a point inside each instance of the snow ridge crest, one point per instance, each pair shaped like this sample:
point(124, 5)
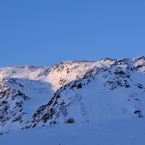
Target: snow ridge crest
point(77, 91)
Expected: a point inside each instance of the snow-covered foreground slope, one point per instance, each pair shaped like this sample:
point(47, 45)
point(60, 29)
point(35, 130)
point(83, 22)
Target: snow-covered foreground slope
point(71, 91)
point(116, 132)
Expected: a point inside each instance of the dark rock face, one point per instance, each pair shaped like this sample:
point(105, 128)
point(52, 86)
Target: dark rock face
point(11, 105)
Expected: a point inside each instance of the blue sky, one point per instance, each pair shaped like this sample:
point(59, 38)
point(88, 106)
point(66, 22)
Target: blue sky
point(46, 32)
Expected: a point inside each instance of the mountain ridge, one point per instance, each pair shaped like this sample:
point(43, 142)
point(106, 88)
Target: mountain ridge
point(35, 96)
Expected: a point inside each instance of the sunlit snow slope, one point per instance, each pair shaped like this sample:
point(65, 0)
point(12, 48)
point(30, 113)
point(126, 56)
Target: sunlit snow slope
point(71, 91)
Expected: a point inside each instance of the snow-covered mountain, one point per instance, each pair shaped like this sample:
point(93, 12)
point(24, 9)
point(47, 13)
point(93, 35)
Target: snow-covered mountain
point(71, 91)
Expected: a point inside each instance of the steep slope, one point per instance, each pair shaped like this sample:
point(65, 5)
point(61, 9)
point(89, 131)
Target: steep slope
point(112, 89)
point(21, 93)
point(71, 91)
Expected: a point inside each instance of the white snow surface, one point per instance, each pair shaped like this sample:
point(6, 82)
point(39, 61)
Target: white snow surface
point(102, 97)
point(116, 132)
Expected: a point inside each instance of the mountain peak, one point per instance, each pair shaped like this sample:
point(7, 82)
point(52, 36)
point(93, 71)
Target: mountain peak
point(84, 91)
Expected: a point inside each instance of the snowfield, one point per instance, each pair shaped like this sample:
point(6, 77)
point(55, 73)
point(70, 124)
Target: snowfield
point(114, 132)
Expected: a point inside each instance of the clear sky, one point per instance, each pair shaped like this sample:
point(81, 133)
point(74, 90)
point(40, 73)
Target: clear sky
point(46, 32)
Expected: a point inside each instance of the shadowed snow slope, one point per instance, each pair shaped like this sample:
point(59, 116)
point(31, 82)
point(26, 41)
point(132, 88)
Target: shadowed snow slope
point(116, 132)
point(71, 91)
